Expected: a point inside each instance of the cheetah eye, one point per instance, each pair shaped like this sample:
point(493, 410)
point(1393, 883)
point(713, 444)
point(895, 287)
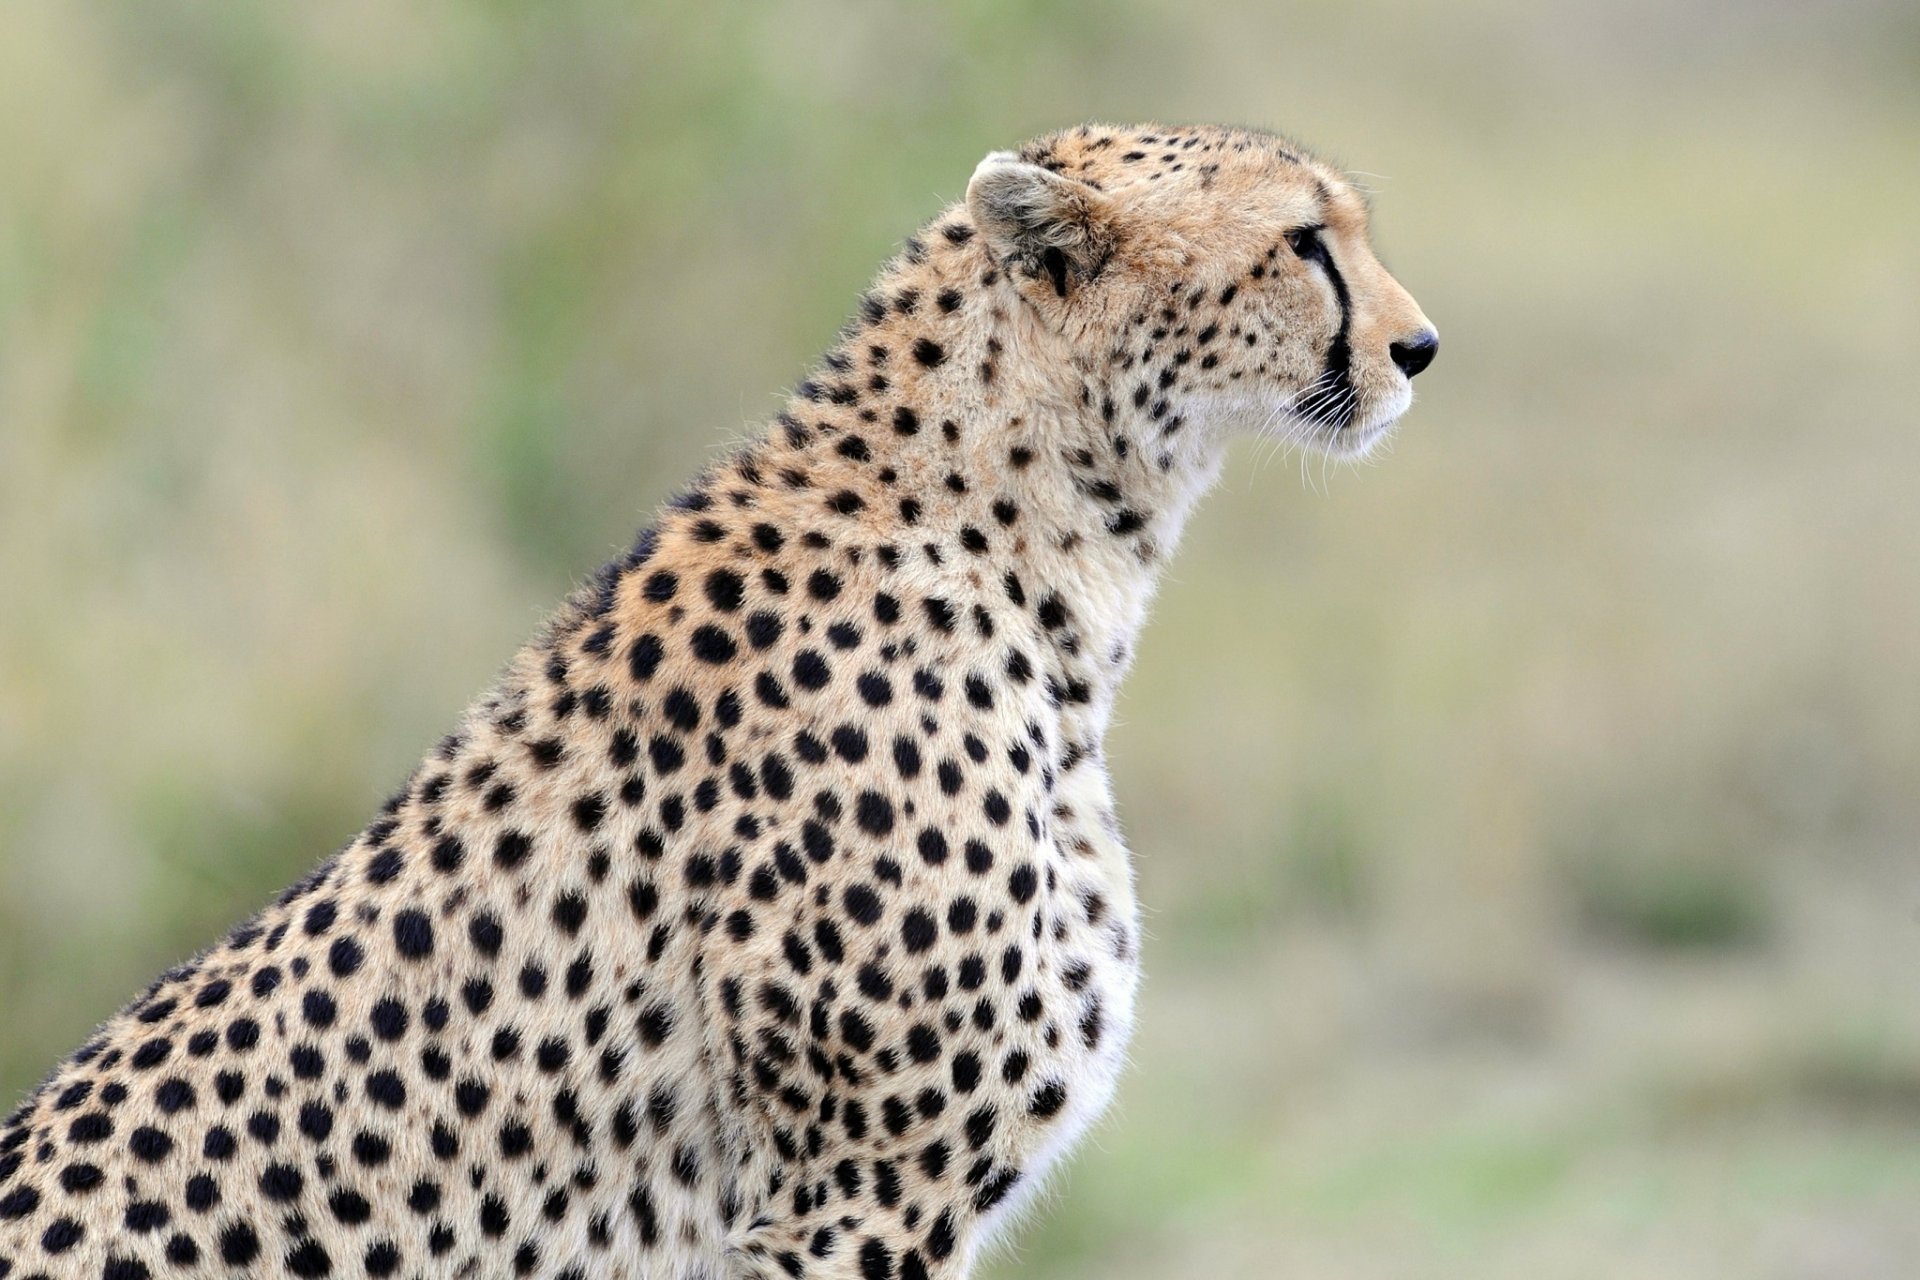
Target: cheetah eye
point(1307, 244)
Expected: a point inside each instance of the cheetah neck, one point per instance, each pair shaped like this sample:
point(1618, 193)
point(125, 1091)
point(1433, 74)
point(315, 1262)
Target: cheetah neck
point(972, 453)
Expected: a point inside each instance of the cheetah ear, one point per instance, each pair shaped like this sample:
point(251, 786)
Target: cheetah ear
point(1041, 225)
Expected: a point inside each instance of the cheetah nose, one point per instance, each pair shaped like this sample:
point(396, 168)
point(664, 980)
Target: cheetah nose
point(1416, 353)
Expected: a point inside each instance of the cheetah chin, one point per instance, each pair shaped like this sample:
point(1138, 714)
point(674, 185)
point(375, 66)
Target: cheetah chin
point(770, 917)
point(1360, 438)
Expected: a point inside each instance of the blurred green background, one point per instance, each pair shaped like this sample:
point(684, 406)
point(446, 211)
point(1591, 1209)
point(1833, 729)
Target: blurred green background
point(1529, 824)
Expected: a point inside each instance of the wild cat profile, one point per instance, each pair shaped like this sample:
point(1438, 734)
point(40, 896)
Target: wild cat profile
point(770, 917)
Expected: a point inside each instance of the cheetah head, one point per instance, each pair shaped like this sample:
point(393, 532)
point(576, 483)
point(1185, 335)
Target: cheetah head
point(1220, 279)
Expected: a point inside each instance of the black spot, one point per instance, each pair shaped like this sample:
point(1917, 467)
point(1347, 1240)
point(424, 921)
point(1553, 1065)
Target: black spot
point(588, 811)
point(725, 588)
point(978, 692)
point(923, 1043)
point(570, 912)
point(316, 1121)
point(918, 931)
point(239, 1246)
point(823, 585)
point(810, 670)
point(384, 866)
point(448, 854)
point(874, 813)
point(385, 1088)
point(996, 808)
point(281, 1182)
point(485, 933)
point(863, 904)
point(644, 657)
point(61, 1235)
point(763, 629)
point(516, 1139)
point(876, 1260)
point(78, 1179)
point(666, 754)
point(149, 1144)
point(712, 645)
point(413, 934)
point(318, 1009)
point(370, 1150)
point(511, 849)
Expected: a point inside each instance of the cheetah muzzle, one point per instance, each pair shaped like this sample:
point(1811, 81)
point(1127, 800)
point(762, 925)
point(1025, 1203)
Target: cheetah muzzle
point(770, 918)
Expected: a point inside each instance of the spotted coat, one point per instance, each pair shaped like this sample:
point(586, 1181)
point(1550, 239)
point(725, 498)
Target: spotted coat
point(770, 918)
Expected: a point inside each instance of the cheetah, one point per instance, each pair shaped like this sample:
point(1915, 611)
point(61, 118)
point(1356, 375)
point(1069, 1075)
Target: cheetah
point(770, 916)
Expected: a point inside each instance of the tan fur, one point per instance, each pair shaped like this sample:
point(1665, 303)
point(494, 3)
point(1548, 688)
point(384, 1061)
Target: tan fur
point(771, 917)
